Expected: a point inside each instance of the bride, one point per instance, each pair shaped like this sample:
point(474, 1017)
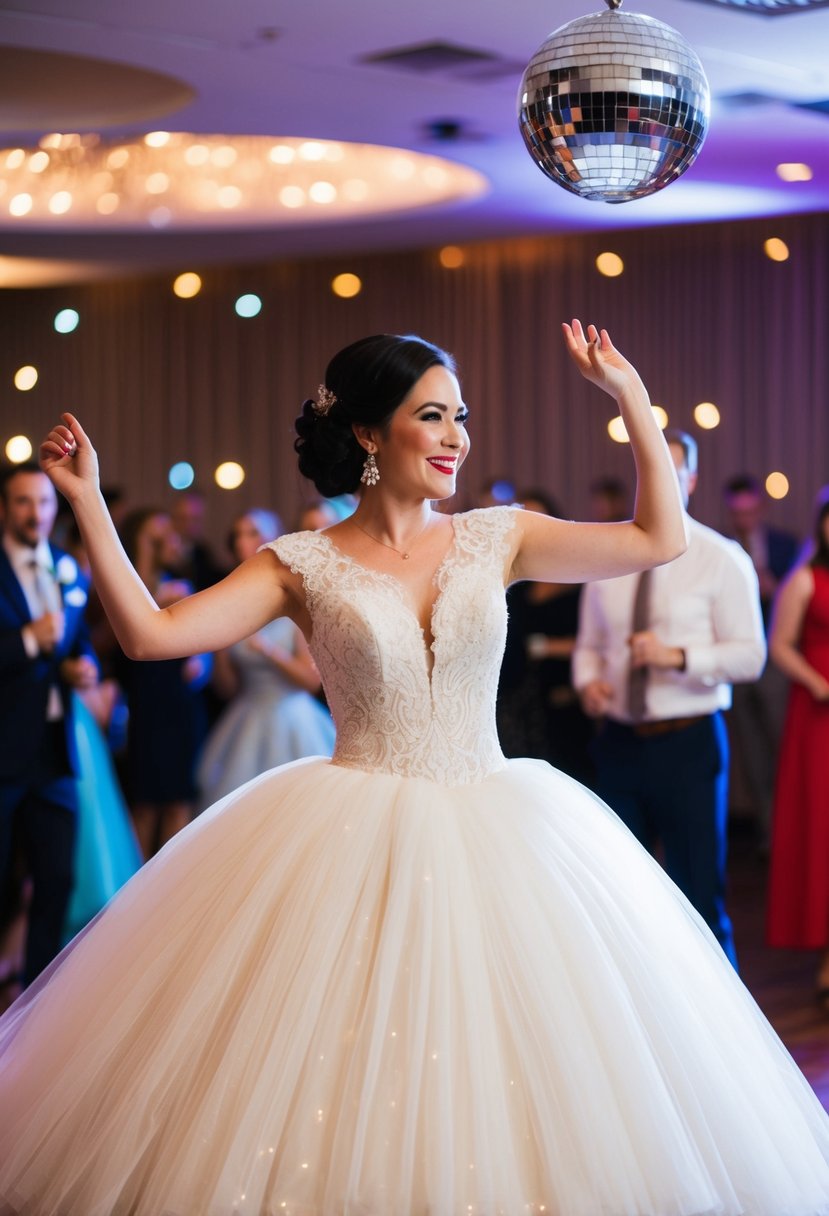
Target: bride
point(416, 979)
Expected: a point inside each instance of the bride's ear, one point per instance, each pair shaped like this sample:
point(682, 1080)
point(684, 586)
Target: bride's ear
point(364, 436)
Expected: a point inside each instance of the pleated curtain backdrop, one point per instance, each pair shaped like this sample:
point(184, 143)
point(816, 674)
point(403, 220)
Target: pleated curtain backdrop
point(701, 310)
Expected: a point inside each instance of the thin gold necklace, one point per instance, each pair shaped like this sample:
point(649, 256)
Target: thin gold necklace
point(404, 554)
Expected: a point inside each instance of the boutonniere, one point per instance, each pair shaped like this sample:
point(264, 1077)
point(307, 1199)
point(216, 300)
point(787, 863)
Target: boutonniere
point(75, 597)
point(66, 571)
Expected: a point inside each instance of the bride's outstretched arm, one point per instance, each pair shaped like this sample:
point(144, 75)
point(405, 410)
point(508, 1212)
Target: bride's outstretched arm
point(550, 549)
point(235, 608)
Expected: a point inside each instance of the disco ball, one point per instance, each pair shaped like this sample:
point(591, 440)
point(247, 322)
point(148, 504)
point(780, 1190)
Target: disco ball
point(614, 106)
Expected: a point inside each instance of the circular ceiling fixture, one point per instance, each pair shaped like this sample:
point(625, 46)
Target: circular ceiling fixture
point(184, 181)
point(48, 90)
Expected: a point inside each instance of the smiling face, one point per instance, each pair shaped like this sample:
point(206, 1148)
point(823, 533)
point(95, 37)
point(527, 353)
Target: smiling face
point(424, 445)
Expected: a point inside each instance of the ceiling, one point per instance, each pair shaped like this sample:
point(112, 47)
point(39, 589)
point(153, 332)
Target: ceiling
point(274, 68)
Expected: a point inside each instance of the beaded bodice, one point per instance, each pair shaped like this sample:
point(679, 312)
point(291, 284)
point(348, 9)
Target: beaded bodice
point(397, 708)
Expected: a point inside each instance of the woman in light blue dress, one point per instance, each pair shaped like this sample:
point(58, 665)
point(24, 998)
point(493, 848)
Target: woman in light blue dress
point(273, 716)
point(106, 852)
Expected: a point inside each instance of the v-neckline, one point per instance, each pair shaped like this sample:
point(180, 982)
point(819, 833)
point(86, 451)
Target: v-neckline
point(405, 599)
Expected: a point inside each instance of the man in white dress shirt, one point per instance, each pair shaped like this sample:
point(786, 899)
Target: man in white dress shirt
point(655, 658)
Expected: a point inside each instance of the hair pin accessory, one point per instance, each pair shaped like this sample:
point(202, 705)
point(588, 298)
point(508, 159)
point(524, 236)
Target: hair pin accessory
point(325, 399)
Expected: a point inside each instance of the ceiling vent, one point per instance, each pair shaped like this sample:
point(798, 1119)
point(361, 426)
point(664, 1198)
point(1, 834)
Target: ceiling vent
point(448, 59)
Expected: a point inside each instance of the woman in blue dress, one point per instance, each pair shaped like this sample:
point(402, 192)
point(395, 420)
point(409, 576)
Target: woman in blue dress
point(272, 717)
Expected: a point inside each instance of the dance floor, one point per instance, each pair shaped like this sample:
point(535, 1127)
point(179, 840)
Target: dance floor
point(781, 981)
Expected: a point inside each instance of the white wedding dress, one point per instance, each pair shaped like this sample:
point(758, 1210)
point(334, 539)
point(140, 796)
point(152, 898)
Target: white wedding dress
point(414, 980)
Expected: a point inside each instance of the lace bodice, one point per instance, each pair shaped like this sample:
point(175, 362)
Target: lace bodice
point(395, 711)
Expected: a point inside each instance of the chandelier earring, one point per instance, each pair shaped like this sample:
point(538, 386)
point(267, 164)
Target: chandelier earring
point(370, 474)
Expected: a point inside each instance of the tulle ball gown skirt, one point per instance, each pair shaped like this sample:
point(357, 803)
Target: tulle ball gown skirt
point(350, 994)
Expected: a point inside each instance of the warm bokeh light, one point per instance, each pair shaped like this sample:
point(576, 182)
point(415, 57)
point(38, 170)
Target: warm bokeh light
point(107, 203)
point(248, 306)
point(281, 154)
point(292, 196)
point(66, 320)
point(228, 197)
point(60, 202)
point(187, 285)
point(25, 378)
point(229, 475)
point(610, 265)
point(15, 158)
point(794, 172)
point(322, 192)
point(451, 257)
point(157, 139)
point(18, 449)
point(706, 415)
point(20, 204)
point(182, 475)
point(617, 430)
point(312, 150)
point(777, 485)
point(346, 286)
point(776, 249)
point(224, 156)
point(38, 161)
point(197, 154)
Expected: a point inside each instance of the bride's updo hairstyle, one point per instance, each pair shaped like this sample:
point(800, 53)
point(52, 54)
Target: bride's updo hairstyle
point(369, 379)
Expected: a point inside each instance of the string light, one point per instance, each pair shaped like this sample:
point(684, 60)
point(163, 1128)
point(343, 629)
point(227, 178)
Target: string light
point(229, 475)
point(19, 449)
point(776, 250)
point(451, 257)
point(346, 286)
point(610, 265)
point(187, 285)
point(706, 415)
point(777, 485)
point(25, 378)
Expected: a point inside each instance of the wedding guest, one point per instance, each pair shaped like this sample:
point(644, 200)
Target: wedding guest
point(167, 713)
point(272, 718)
point(756, 718)
point(655, 658)
point(539, 713)
point(798, 913)
point(45, 653)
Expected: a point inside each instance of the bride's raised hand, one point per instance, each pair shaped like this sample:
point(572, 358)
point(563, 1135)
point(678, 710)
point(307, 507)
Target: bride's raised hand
point(69, 459)
point(598, 360)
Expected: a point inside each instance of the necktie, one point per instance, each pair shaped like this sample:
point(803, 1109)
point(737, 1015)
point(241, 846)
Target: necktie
point(638, 676)
point(45, 588)
point(46, 596)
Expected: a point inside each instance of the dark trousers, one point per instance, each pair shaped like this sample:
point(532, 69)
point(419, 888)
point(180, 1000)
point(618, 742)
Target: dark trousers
point(672, 790)
point(38, 824)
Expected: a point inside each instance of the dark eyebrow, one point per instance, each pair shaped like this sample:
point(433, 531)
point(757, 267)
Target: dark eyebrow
point(438, 405)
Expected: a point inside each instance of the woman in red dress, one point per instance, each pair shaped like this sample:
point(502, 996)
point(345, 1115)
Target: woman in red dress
point(799, 645)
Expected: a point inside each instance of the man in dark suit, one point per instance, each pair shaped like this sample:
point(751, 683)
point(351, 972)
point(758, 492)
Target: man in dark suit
point(45, 652)
point(756, 717)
